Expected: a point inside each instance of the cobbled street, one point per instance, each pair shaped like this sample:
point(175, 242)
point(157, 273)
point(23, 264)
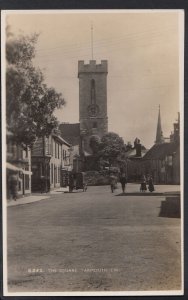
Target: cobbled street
point(93, 241)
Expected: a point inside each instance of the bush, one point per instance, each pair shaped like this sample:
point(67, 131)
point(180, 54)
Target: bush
point(97, 177)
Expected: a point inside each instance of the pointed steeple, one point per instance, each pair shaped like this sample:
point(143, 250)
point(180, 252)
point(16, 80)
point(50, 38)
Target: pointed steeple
point(159, 134)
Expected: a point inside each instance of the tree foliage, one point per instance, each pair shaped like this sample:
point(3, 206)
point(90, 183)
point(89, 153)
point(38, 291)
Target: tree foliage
point(112, 148)
point(30, 104)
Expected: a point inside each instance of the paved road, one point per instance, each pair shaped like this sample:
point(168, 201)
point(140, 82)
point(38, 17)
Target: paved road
point(93, 241)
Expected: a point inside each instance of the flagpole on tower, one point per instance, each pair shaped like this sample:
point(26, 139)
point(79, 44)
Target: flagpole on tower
point(92, 40)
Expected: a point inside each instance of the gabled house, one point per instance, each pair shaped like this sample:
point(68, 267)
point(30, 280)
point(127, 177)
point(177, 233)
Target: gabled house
point(163, 163)
point(71, 133)
point(50, 156)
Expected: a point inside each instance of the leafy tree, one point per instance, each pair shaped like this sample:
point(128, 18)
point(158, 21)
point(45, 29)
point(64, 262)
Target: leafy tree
point(112, 148)
point(30, 104)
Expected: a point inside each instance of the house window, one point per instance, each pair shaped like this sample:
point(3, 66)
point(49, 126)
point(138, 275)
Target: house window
point(52, 144)
point(48, 146)
point(55, 149)
point(58, 150)
point(58, 174)
point(61, 152)
point(26, 152)
point(94, 124)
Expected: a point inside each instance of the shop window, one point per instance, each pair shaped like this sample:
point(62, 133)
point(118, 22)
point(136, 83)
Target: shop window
point(27, 182)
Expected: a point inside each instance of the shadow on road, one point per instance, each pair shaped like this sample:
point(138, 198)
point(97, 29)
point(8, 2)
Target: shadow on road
point(140, 194)
point(170, 208)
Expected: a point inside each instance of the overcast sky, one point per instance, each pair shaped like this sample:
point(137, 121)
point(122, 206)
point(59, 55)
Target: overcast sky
point(142, 50)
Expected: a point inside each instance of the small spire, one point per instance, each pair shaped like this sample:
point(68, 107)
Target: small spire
point(159, 134)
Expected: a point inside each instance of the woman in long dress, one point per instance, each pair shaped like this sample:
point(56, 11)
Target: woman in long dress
point(150, 184)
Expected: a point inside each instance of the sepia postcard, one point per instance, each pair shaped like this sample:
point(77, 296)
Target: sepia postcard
point(92, 119)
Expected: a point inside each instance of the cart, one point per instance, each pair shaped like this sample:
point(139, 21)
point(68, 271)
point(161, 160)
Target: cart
point(77, 181)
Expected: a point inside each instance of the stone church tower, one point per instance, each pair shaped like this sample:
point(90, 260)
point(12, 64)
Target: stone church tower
point(92, 100)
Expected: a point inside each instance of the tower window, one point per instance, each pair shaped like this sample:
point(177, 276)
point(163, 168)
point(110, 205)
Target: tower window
point(92, 91)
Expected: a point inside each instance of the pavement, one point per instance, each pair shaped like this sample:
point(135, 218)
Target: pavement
point(132, 189)
point(35, 197)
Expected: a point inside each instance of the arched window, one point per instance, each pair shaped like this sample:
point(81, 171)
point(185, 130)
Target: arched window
point(92, 91)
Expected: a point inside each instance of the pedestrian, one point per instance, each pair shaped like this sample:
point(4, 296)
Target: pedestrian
point(123, 181)
point(42, 184)
point(150, 184)
point(113, 182)
point(14, 186)
point(143, 186)
point(71, 182)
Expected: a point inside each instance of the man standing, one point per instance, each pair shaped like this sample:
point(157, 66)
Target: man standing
point(123, 181)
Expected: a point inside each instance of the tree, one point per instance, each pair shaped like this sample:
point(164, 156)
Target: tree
point(112, 148)
point(30, 104)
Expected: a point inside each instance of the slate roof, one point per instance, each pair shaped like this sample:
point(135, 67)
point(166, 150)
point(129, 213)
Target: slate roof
point(160, 151)
point(61, 139)
point(70, 132)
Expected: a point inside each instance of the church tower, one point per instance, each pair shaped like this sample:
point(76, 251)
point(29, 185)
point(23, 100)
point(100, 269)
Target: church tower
point(159, 133)
point(92, 100)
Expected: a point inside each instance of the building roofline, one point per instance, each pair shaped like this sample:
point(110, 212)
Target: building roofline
point(61, 139)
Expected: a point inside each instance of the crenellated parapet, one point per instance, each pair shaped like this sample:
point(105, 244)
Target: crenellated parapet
point(92, 67)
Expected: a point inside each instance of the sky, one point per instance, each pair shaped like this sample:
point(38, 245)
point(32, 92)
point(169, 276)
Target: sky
point(143, 53)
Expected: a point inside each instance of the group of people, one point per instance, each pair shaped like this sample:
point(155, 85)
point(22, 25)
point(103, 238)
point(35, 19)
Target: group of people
point(114, 180)
point(147, 181)
point(123, 180)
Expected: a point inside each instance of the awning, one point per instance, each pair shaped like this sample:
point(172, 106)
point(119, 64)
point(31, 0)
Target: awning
point(27, 172)
point(12, 167)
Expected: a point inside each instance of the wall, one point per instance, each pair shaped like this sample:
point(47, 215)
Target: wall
point(176, 167)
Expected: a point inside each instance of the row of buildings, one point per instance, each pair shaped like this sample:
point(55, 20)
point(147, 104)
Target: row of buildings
point(39, 168)
point(43, 167)
point(162, 160)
